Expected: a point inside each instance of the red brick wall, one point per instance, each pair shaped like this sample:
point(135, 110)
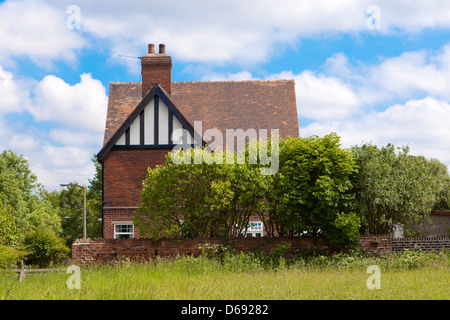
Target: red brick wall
point(85, 251)
point(376, 244)
point(425, 244)
point(380, 244)
point(123, 173)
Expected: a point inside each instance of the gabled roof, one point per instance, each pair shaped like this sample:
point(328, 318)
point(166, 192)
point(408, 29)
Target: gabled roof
point(124, 119)
point(218, 104)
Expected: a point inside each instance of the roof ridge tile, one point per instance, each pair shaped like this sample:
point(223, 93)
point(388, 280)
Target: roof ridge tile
point(234, 81)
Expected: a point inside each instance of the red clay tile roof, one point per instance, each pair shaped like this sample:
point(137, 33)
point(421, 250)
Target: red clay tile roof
point(123, 98)
point(218, 104)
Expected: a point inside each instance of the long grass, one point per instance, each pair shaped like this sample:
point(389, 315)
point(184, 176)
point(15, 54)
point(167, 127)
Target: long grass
point(406, 276)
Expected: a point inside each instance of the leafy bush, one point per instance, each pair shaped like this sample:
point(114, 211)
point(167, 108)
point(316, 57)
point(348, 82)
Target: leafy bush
point(45, 248)
point(347, 229)
point(10, 256)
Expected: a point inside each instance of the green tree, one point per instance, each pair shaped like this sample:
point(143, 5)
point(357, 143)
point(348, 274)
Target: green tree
point(9, 234)
point(198, 199)
point(71, 212)
point(311, 193)
point(17, 185)
point(20, 190)
point(394, 187)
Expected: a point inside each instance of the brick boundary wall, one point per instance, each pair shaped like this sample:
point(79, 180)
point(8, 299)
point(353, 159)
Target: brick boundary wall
point(380, 244)
point(376, 244)
point(425, 244)
point(87, 251)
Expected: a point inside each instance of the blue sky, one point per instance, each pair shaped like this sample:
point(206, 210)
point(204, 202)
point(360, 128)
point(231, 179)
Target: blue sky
point(371, 71)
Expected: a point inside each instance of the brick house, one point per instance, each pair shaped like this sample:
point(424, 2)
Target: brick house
point(146, 120)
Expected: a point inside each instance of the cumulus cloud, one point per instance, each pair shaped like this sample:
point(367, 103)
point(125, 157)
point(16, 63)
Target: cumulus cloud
point(74, 117)
point(240, 32)
point(243, 32)
point(320, 97)
point(413, 74)
point(9, 92)
point(37, 31)
point(75, 137)
point(81, 106)
point(422, 124)
point(403, 15)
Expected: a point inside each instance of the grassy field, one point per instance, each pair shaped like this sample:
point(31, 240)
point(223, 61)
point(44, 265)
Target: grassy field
point(408, 276)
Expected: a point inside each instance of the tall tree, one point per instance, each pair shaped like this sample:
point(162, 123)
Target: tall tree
point(311, 193)
point(394, 187)
point(20, 190)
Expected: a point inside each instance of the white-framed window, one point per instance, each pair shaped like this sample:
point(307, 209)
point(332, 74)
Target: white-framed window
point(123, 231)
point(254, 228)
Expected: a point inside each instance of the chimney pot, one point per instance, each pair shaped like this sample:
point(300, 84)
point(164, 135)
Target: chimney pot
point(151, 48)
point(162, 48)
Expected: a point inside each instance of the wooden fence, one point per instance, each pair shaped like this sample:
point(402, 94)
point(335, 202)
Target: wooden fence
point(22, 272)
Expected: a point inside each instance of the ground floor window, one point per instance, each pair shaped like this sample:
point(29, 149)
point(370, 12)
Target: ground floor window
point(123, 231)
point(254, 228)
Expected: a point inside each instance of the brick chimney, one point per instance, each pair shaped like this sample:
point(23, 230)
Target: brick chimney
point(156, 69)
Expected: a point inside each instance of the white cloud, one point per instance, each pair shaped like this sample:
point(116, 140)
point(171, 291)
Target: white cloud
point(37, 31)
point(320, 97)
point(10, 94)
point(81, 106)
point(65, 156)
point(413, 17)
point(243, 32)
point(421, 124)
point(60, 150)
point(413, 74)
point(409, 73)
point(204, 31)
point(75, 137)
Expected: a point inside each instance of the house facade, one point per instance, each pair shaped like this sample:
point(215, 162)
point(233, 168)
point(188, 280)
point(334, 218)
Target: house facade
point(146, 120)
